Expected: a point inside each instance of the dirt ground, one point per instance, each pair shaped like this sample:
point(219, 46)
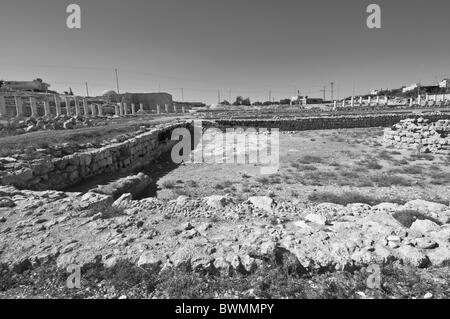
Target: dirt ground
point(312, 162)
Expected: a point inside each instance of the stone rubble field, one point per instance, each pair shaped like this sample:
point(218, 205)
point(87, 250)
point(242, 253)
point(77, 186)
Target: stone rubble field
point(215, 234)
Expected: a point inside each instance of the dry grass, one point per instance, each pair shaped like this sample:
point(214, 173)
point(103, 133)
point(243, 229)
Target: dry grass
point(350, 198)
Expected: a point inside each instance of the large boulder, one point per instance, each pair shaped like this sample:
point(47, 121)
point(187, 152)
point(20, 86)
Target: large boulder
point(413, 256)
point(425, 206)
point(424, 226)
point(95, 203)
point(135, 185)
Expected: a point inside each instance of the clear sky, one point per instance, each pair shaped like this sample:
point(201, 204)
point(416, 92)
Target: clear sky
point(246, 46)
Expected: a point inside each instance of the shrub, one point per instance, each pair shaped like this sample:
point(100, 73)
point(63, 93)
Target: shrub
point(192, 184)
point(310, 159)
point(390, 180)
point(169, 184)
point(349, 198)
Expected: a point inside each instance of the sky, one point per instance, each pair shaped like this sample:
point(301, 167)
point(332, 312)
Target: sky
point(237, 47)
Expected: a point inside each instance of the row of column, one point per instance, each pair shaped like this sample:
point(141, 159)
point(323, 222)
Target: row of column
point(361, 101)
point(93, 109)
point(121, 109)
point(385, 102)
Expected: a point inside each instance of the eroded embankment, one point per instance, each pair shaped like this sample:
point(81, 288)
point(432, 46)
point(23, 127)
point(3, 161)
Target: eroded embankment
point(59, 173)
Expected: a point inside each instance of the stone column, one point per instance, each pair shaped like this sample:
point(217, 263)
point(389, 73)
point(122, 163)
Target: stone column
point(378, 100)
point(19, 106)
point(352, 102)
point(411, 102)
point(427, 98)
point(2, 106)
point(125, 109)
point(369, 100)
point(47, 112)
point(100, 110)
point(343, 103)
point(419, 100)
point(360, 100)
point(117, 109)
point(335, 104)
point(121, 112)
point(167, 108)
point(386, 100)
point(67, 99)
point(85, 108)
point(133, 109)
point(33, 107)
point(158, 109)
point(175, 109)
point(93, 110)
point(57, 106)
point(141, 108)
point(77, 107)
point(183, 109)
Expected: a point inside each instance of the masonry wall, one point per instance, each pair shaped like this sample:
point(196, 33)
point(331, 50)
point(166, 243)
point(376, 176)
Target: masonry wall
point(420, 134)
point(60, 173)
point(328, 122)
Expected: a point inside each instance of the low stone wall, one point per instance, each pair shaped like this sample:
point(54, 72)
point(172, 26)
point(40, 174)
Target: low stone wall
point(420, 134)
point(326, 122)
point(60, 173)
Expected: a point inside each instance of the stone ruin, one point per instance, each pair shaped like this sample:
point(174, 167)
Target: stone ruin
point(420, 134)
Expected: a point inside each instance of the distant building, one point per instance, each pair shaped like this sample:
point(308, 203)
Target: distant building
point(444, 84)
point(150, 101)
point(374, 92)
point(410, 88)
point(34, 86)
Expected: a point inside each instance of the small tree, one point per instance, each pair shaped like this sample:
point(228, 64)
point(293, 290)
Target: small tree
point(246, 102)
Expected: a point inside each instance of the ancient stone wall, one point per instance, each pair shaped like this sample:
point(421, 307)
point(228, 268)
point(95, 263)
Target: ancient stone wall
point(60, 173)
point(420, 134)
point(326, 122)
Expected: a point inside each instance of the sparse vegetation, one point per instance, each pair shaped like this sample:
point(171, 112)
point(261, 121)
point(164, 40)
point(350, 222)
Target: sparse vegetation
point(282, 277)
point(350, 198)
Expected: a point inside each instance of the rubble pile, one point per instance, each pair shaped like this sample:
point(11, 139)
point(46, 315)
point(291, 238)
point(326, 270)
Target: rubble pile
point(420, 134)
point(76, 228)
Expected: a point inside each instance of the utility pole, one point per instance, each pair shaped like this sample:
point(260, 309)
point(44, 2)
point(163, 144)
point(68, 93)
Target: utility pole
point(117, 82)
point(332, 91)
point(218, 96)
point(324, 90)
point(87, 89)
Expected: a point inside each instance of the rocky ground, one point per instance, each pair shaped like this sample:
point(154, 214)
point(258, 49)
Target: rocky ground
point(216, 236)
